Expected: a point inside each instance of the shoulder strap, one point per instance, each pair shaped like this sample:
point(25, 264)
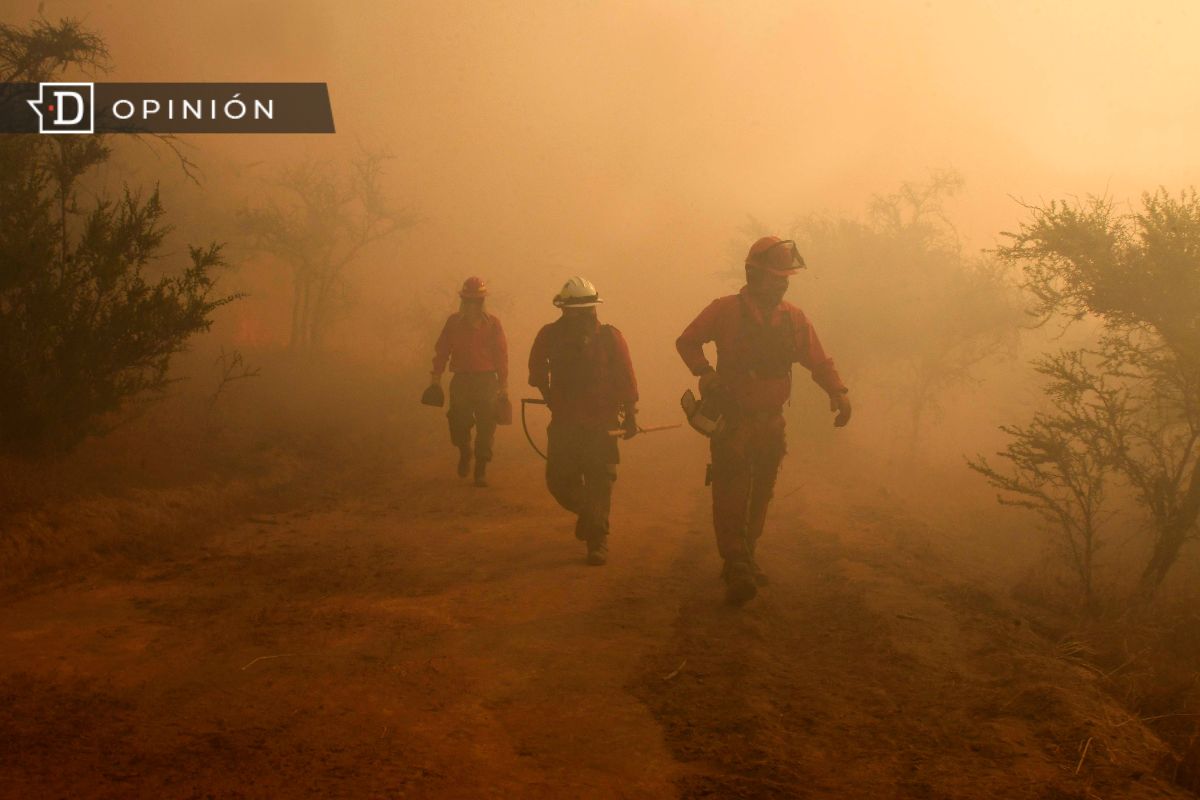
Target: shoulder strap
point(610, 338)
point(798, 323)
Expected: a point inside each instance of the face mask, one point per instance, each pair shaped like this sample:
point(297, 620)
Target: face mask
point(768, 293)
point(776, 293)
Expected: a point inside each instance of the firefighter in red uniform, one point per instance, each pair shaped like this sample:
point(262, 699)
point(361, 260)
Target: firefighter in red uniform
point(473, 343)
point(583, 370)
point(758, 337)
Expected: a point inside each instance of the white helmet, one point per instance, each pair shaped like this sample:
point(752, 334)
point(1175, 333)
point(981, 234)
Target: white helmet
point(577, 293)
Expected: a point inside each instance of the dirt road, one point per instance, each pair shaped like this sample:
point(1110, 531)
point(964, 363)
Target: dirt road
point(412, 636)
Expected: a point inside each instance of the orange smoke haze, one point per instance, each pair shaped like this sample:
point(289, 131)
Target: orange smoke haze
point(629, 142)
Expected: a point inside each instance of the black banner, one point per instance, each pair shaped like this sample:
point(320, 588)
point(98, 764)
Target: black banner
point(82, 108)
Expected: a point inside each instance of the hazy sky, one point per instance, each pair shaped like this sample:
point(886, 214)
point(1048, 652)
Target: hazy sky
point(630, 110)
point(630, 140)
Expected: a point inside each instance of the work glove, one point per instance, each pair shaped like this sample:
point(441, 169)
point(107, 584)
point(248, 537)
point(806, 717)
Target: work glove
point(629, 424)
point(841, 404)
point(709, 381)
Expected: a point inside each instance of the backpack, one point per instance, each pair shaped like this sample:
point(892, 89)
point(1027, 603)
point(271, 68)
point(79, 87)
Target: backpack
point(572, 373)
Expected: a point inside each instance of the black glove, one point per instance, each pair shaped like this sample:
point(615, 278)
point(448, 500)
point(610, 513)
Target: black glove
point(709, 381)
point(841, 404)
point(629, 424)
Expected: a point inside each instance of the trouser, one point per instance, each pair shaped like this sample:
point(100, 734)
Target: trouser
point(473, 405)
point(745, 464)
point(581, 466)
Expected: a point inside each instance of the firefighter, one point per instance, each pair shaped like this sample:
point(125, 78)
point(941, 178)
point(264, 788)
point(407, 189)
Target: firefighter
point(473, 343)
point(583, 371)
point(758, 337)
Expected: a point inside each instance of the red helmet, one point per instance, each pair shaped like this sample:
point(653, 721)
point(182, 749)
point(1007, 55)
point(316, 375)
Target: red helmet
point(775, 255)
point(473, 288)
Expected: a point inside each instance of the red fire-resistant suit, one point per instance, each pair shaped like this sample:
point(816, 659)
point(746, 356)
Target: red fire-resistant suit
point(478, 357)
point(472, 348)
point(755, 352)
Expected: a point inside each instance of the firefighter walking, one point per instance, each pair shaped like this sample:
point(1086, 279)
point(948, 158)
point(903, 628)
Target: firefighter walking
point(472, 342)
point(758, 336)
point(583, 370)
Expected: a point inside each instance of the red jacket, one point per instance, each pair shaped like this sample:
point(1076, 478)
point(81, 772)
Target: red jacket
point(584, 380)
point(754, 355)
point(472, 348)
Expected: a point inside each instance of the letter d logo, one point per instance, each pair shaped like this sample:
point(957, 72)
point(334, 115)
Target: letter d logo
point(65, 107)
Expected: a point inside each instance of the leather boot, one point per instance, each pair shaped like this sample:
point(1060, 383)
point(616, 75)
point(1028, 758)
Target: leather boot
point(597, 554)
point(740, 587)
point(760, 577)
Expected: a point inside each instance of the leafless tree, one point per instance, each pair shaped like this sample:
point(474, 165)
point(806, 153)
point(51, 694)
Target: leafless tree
point(319, 223)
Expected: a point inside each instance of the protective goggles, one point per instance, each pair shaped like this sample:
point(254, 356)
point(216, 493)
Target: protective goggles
point(782, 258)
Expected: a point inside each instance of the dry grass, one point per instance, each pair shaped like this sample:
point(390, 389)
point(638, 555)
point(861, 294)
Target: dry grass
point(186, 463)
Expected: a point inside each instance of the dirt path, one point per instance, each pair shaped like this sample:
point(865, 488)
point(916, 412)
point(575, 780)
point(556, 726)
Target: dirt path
point(417, 637)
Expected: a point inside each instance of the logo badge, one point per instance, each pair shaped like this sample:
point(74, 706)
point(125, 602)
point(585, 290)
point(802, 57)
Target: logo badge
point(65, 107)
